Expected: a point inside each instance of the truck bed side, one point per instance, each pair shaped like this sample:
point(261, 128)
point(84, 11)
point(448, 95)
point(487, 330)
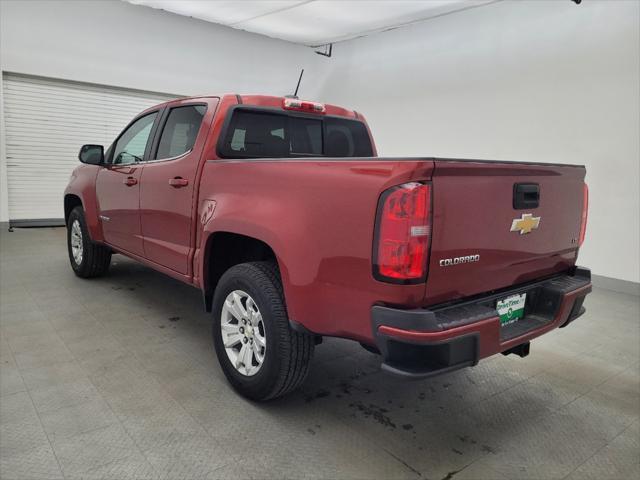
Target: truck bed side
point(318, 217)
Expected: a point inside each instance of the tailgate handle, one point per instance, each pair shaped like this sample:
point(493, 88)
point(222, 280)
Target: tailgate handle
point(526, 196)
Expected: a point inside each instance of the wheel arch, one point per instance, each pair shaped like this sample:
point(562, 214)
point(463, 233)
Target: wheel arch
point(71, 201)
point(223, 250)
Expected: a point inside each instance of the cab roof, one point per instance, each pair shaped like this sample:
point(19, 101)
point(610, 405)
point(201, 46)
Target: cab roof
point(261, 101)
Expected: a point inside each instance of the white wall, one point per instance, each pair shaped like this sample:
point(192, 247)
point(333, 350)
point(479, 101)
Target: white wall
point(528, 80)
point(115, 43)
point(119, 44)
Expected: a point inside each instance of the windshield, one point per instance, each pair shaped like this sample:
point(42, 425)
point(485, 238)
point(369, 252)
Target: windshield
point(264, 134)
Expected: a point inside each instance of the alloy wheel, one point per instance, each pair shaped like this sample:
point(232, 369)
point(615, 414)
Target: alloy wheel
point(243, 333)
point(76, 242)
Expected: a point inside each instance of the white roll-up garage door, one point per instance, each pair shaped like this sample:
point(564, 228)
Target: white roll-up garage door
point(46, 123)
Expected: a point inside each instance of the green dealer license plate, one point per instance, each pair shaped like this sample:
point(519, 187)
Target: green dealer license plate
point(511, 309)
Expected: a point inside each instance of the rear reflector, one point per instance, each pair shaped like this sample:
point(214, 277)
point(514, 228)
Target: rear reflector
point(302, 105)
point(403, 233)
point(585, 212)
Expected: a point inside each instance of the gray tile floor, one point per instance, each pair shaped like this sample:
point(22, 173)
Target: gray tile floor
point(116, 378)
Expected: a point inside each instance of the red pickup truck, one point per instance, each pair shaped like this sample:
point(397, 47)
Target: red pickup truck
point(281, 213)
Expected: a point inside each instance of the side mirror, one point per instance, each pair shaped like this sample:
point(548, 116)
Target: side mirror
point(92, 154)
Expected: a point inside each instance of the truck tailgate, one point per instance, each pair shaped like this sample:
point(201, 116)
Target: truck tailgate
point(474, 249)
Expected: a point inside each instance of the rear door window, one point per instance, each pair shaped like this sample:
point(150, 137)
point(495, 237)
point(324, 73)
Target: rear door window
point(180, 131)
point(259, 134)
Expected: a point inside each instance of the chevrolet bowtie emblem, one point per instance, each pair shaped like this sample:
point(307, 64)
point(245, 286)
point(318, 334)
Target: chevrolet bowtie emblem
point(525, 224)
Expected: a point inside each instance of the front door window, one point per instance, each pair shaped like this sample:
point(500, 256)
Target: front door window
point(131, 145)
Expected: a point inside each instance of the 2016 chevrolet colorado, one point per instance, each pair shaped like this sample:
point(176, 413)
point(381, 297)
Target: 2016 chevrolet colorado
point(280, 212)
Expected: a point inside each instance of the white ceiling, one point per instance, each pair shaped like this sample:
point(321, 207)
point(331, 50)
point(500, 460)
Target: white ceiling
point(312, 22)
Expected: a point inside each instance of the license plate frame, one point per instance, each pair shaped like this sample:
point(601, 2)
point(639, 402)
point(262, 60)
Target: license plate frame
point(511, 309)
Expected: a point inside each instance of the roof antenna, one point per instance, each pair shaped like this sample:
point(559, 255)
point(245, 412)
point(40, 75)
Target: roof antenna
point(295, 94)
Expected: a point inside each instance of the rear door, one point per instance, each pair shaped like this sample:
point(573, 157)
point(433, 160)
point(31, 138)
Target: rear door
point(118, 185)
point(169, 182)
point(501, 224)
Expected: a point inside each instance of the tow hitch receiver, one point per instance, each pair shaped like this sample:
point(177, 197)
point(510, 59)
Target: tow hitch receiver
point(521, 350)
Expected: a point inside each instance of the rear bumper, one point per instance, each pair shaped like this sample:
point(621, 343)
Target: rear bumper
point(425, 342)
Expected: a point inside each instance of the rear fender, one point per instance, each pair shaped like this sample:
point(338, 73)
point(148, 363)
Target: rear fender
point(283, 227)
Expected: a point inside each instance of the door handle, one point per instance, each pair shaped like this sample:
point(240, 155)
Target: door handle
point(178, 182)
point(130, 182)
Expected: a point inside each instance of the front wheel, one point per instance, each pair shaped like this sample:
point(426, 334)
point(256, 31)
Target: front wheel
point(261, 356)
point(87, 259)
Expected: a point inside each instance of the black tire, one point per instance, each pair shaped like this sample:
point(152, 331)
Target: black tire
point(288, 353)
point(95, 258)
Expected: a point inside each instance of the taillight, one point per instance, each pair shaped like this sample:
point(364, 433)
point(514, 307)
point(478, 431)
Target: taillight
point(302, 105)
point(403, 233)
point(585, 211)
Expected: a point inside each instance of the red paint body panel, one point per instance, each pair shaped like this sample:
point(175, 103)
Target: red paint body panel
point(473, 213)
point(82, 184)
point(119, 202)
point(166, 211)
point(318, 216)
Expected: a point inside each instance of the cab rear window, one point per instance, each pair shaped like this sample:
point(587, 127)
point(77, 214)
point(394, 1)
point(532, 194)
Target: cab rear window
point(265, 134)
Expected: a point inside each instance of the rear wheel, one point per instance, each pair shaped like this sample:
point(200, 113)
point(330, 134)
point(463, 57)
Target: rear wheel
point(261, 356)
point(87, 259)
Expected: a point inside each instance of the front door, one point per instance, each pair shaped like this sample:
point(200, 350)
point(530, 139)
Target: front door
point(169, 182)
point(118, 186)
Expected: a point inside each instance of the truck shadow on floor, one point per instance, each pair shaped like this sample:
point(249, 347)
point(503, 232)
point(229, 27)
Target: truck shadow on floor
point(459, 417)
